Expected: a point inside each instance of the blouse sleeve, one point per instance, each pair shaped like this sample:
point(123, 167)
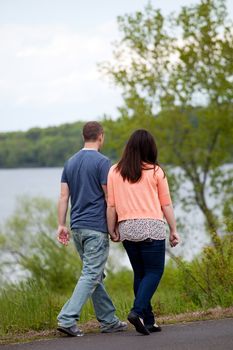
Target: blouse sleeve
point(163, 189)
point(110, 189)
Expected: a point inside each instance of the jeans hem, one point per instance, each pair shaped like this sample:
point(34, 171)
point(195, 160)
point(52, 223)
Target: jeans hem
point(108, 325)
point(65, 325)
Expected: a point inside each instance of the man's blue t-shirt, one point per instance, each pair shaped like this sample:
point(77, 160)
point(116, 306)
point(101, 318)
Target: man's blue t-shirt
point(85, 173)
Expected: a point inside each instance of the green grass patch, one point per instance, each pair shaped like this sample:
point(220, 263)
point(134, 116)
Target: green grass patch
point(33, 305)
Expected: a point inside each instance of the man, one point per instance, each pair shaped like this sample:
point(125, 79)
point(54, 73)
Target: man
point(84, 180)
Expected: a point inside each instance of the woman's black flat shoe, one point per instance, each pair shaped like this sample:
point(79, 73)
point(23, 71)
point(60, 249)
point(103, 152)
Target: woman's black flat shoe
point(153, 329)
point(135, 320)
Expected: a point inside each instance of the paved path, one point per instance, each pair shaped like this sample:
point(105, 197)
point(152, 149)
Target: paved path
point(204, 335)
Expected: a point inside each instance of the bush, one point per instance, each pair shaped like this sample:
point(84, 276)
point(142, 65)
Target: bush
point(206, 280)
point(31, 246)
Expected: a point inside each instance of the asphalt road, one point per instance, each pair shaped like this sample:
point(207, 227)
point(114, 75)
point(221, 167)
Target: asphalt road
point(205, 335)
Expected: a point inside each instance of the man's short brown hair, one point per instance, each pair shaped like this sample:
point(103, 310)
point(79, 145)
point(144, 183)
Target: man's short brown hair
point(92, 130)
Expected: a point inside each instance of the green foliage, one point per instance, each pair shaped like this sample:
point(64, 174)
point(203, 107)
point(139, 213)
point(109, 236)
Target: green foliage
point(176, 77)
point(175, 60)
point(207, 279)
point(34, 303)
point(120, 286)
point(31, 246)
point(40, 147)
point(27, 306)
point(170, 297)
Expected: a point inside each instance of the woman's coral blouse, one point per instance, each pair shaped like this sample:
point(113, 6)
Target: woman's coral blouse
point(138, 200)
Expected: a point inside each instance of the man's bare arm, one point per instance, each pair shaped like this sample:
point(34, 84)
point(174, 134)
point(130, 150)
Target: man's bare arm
point(62, 231)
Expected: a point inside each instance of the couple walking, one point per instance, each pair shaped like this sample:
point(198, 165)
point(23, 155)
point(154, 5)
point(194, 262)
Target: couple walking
point(136, 195)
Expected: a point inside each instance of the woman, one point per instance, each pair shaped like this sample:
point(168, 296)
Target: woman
point(138, 201)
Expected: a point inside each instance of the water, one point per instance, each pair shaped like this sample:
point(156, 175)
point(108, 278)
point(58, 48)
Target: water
point(45, 182)
point(14, 183)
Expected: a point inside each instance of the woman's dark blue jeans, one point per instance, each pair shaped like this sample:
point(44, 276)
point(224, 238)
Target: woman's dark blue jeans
point(147, 260)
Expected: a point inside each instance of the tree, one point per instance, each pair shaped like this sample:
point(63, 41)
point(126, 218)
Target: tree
point(40, 147)
point(176, 77)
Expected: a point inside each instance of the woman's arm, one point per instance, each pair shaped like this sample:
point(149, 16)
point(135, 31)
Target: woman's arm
point(111, 209)
point(112, 223)
point(168, 212)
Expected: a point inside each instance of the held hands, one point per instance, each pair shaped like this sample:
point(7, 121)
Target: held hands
point(174, 239)
point(63, 235)
point(115, 236)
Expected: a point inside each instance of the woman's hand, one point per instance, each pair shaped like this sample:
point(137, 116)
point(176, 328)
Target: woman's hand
point(174, 238)
point(115, 236)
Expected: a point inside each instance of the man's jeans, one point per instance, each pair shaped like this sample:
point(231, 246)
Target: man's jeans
point(93, 248)
point(147, 260)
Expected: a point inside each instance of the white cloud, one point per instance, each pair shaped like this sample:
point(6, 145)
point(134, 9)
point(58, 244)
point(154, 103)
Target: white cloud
point(45, 65)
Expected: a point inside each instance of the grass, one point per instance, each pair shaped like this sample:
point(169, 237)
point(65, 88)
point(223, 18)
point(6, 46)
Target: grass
point(27, 306)
point(29, 309)
point(195, 287)
point(93, 326)
point(32, 306)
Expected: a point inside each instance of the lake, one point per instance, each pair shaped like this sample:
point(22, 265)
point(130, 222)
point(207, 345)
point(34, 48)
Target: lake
point(45, 182)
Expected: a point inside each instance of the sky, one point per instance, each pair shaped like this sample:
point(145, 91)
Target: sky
point(49, 50)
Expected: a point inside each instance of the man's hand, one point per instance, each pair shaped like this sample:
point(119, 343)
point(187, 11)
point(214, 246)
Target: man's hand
point(63, 235)
point(174, 238)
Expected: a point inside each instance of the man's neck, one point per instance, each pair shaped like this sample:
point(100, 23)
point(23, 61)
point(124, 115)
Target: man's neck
point(91, 145)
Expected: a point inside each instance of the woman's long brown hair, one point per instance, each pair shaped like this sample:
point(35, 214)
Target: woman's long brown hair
point(140, 148)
